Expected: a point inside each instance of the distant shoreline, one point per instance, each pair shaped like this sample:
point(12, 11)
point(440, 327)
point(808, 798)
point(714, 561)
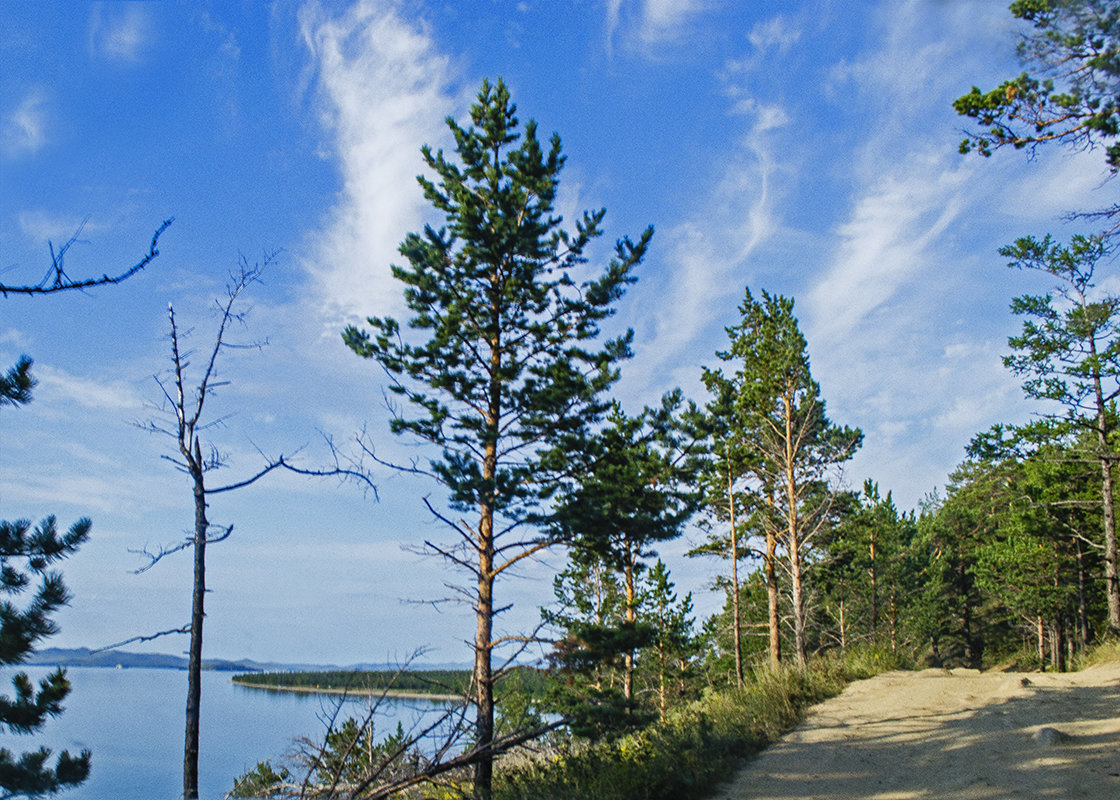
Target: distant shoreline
point(357, 692)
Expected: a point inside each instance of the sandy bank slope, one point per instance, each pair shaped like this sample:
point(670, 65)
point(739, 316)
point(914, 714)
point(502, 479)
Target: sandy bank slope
point(958, 735)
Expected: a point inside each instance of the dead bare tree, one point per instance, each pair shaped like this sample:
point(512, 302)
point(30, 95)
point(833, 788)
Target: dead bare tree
point(183, 406)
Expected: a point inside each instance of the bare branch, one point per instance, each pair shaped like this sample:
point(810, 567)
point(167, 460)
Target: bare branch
point(56, 279)
point(173, 631)
point(157, 556)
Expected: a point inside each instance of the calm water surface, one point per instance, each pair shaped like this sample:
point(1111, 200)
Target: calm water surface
point(133, 720)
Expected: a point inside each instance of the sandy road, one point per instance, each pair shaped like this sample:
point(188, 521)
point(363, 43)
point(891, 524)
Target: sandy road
point(950, 735)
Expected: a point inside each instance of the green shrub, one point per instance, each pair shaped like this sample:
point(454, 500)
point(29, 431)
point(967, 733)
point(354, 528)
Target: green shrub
point(262, 782)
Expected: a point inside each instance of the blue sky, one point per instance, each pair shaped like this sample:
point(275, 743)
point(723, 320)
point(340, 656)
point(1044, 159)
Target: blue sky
point(807, 148)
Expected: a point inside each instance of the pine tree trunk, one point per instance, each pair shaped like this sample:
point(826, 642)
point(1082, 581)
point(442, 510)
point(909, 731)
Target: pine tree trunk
point(738, 625)
point(663, 695)
point(1058, 645)
point(793, 538)
point(484, 678)
point(1082, 600)
point(1112, 579)
point(1111, 576)
point(773, 617)
point(1040, 635)
point(971, 651)
point(874, 587)
point(631, 617)
point(798, 601)
point(894, 622)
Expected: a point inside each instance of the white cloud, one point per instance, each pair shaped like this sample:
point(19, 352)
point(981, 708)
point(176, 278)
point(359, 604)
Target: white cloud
point(25, 126)
point(778, 32)
point(613, 13)
point(767, 116)
point(649, 23)
point(120, 31)
point(885, 243)
point(666, 19)
point(14, 337)
point(57, 387)
point(86, 490)
point(707, 259)
point(905, 323)
point(1054, 186)
point(383, 90)
point(44, 226)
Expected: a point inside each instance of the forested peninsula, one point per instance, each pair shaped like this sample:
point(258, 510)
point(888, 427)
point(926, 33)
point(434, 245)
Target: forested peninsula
point(434, 684)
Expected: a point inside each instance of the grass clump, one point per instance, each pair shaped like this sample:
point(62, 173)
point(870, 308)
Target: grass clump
point(698, 746)
point(1106, 652)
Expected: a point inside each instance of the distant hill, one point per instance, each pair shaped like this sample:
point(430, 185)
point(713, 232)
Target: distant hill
point(84, 657)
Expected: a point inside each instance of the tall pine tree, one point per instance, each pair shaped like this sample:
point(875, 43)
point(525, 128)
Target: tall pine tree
point(792, 444)
point(1069, 353)
point(502, 362)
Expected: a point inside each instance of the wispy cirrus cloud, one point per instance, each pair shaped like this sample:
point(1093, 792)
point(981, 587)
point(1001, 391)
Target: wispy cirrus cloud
point(886, 241)
point(383, 90)
point(45, 226)
point(903, 321)
point(708, 255)
point(120, 31)
point(24, 127)
point(58, 388)
point(648, 23)
point(780, 33)
point(666, 19)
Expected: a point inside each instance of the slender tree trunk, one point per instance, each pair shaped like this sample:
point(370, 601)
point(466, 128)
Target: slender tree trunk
point(1040, 635)
point(793, 539)
point(663, 694)
point(773, 617)
point(1112, 578)
point(843, 629)
point(631, 618)
point(198, 614)
point(737, 627)
point(1058, 636)
point(484, 602)
point(483, 673)
point(874, 587)
point(894, 622)
point(1082, 600)
point(798, 601)
point(971, 650)
point(1058, 645)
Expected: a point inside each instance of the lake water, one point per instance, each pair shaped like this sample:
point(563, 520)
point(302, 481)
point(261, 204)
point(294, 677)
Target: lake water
point(133, 721)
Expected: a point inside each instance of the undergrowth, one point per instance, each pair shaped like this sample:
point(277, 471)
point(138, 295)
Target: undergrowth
point(1107, 652)
point(697, 747)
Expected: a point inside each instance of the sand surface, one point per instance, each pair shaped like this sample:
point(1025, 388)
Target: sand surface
point(953, 735)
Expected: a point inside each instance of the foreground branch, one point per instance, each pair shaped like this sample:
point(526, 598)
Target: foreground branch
point(56, 279)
